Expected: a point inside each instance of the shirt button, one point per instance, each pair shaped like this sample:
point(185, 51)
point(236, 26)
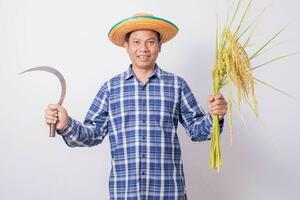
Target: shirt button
point(144, 138)
point(143, 155)
point(143, 173)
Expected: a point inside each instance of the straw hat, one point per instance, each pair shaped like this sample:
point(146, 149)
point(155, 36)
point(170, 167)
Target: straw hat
point(142, 21)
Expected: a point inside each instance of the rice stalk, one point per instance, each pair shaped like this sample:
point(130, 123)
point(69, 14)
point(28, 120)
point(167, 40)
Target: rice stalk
point(233, 68)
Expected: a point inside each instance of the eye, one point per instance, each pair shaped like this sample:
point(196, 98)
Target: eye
point(135, 42)
point(151, 42)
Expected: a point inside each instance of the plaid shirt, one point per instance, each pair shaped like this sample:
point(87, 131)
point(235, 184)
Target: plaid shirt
point(141, 121)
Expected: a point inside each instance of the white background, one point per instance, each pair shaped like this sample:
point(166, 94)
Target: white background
point(263, 162)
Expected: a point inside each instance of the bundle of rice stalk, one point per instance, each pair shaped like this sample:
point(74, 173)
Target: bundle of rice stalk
point(233, 68)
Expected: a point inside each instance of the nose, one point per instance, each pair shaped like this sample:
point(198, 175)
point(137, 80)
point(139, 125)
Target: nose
point(143, 47)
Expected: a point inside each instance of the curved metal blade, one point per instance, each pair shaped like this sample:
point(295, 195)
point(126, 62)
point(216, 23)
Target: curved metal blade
point(57, 74)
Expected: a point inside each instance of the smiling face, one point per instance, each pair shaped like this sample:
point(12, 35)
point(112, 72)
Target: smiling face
point(143, 48)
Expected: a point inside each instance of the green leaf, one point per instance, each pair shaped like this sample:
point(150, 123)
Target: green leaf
point(266, 44)
point(235, 12)
point(274, 59)
point(243, 17)
point(274, 88)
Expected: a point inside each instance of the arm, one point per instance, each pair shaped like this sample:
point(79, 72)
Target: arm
point(94, 128)
point(193, 118)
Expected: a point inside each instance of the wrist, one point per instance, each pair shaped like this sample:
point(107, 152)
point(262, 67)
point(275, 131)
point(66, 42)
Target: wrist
point(63, 127)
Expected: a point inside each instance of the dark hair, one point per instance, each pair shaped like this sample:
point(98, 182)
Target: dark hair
point(127, 36)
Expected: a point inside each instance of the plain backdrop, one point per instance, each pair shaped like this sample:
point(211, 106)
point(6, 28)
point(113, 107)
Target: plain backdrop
point(263, 161)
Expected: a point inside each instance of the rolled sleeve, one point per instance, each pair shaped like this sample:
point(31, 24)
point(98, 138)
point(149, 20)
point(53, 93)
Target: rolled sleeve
point(192, 116)
point(94, 128)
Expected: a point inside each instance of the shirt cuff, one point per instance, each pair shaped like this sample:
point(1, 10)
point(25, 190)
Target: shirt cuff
point(68, 129)
point(210, 118)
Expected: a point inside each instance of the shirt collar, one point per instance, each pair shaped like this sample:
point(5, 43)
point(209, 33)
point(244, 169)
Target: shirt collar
point(157, 71)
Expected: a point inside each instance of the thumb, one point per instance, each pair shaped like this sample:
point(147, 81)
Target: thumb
point(61, 110)
point(218, 96)
point(211, 98)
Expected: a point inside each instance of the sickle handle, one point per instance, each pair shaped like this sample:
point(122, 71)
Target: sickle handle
point(52, 130)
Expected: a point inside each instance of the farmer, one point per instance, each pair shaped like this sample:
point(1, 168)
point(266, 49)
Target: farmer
point(140, 109)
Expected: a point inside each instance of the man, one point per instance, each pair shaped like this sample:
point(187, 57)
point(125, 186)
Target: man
point(140, 110)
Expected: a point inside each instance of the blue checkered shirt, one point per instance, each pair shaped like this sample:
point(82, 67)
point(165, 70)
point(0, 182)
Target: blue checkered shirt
point(141, 122)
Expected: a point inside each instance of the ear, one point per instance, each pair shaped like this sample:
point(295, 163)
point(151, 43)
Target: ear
point(126, 45)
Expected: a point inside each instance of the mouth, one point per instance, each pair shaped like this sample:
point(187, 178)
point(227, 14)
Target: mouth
point(143, 57)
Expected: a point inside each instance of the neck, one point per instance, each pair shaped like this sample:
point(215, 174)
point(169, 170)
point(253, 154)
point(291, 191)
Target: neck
point(142, 74)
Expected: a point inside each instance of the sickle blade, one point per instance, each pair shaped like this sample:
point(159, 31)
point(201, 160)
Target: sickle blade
point(63, 88)
point(57, 74)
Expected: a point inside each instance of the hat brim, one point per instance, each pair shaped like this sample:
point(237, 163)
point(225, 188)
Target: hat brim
point(165, 28)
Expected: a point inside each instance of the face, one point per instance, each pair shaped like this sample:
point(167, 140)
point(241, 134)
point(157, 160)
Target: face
point(143, 48)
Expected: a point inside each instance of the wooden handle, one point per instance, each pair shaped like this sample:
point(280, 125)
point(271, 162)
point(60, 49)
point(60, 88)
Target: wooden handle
point(52, 130)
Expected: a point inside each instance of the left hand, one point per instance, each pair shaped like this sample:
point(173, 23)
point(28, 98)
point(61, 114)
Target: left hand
point(217, 105)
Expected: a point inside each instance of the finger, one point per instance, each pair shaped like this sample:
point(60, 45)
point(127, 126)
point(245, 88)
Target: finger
point(52, 120)
point(218, 108)
point(53, 106)
point(219, 112)
point(219, 103)
point(51, 117)
point(51, 112)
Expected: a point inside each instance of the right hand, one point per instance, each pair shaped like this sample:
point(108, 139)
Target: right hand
point(56, 114)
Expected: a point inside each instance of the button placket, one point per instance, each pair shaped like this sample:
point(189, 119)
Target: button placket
point(143, 110)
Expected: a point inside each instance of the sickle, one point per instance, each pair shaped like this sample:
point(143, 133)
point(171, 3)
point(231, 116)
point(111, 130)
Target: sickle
point(63, 88)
